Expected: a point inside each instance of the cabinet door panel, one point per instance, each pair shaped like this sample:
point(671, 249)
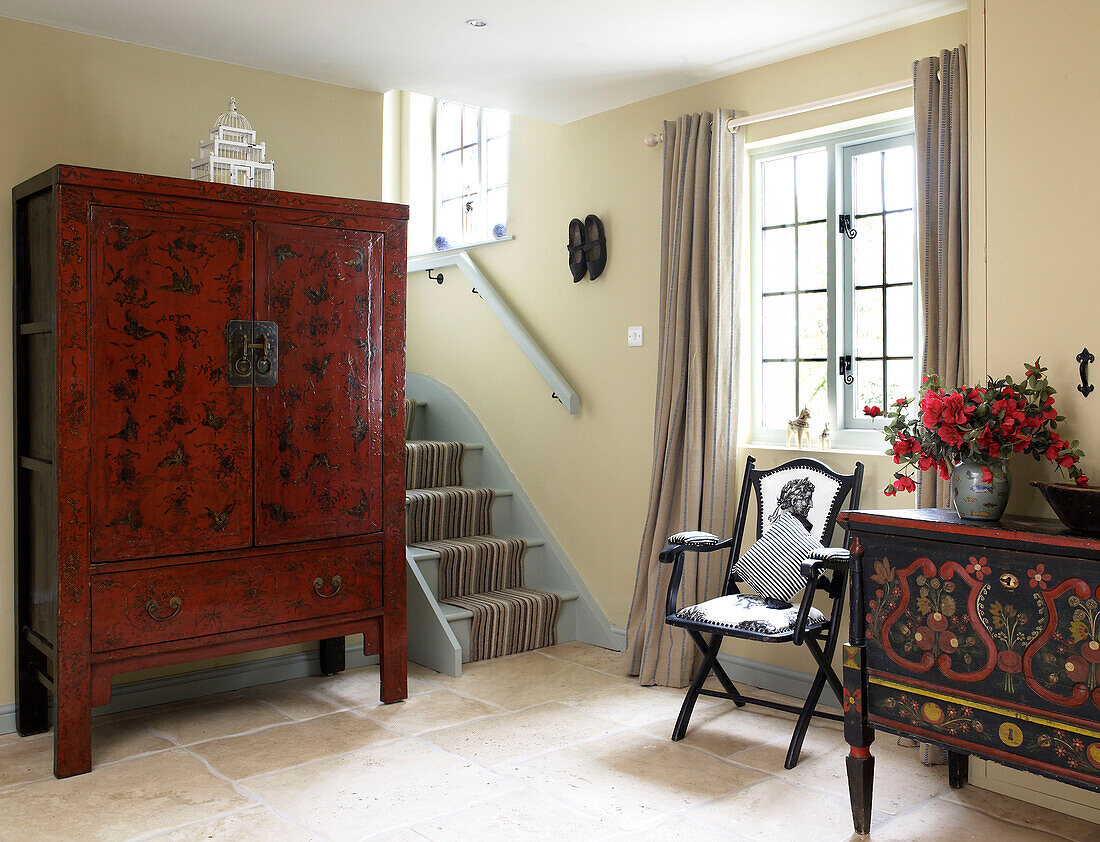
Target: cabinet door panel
point(172, 441)
point(318, 430)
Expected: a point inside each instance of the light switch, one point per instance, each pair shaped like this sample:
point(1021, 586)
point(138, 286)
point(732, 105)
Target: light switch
point(634, 336)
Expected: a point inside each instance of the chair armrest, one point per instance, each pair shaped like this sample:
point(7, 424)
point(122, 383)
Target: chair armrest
point(827, 558)
point(696, 542)
point(673, 554)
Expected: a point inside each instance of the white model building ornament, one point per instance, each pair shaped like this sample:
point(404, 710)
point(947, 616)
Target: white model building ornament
point(232, 155)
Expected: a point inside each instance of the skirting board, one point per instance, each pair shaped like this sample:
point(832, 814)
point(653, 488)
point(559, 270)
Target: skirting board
point(208, 682)
point(783, 680)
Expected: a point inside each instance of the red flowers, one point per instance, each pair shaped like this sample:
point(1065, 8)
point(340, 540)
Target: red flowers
point(984, 424)
point(904, 483)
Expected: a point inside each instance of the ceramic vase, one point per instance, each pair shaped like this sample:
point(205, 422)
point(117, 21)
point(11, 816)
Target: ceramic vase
point(976, 499)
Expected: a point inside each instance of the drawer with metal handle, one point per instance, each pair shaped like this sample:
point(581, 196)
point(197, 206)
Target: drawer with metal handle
point(182, 601)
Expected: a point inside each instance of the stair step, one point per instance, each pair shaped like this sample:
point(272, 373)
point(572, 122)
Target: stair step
point(421, 554)
point(460, 619)
point(455, 614)
point(433, 514)
point(469, 446)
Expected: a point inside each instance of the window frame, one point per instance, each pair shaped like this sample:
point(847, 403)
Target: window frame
point(839, 296)
point(849, 417)
point(482, 232)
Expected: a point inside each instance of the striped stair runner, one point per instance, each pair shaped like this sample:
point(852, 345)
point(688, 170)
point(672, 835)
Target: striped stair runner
point(478, 571)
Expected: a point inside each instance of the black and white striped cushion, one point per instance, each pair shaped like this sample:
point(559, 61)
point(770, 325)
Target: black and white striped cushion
point(772, 566)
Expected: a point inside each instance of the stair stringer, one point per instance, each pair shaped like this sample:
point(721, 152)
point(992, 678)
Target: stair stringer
point(433, 644)
point(447, 417)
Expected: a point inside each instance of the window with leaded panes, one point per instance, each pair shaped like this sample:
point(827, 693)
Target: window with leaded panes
point(471, 174)
point(834, 317)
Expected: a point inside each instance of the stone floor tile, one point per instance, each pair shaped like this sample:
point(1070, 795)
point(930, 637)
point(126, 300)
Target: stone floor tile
point(358, 687)
point(1020, 812)
point(255, 825)
point(397, 836)
point(901, 780)
point(524, 680)
point(777, 811)
point(516, 816)
point(938, 820)
point(629, 703)
point(521, 734)
point(723, 729)
point(379, 789)
point(299, 698)
point(26, 759)
point(283, 746)
point(593, 657)
point(682, 827)
point(119, 739)
point(31, 758)
point(118, 800)
point(220, 716)
point(631, 778)
point(429, 711)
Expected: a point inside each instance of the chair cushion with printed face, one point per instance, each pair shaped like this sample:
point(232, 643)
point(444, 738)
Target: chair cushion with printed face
point(773, 565)
point(803, 492)
point(749, 613)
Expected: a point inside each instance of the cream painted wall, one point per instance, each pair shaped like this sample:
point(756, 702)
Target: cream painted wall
point(589, 474)
point(75, 99)
point(1042, 191)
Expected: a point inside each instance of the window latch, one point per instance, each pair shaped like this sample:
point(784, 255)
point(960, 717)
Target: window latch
point(846, 226)
point(844, 369)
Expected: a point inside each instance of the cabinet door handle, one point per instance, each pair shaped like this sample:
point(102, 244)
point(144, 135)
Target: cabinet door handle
point(252, 353)
point(319, 587)
point(153, 607)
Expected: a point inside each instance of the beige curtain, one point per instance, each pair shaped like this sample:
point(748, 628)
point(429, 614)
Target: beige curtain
point(694, 441)
point(939, 112)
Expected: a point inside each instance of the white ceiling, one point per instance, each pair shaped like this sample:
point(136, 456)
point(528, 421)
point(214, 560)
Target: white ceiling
point(558, 61)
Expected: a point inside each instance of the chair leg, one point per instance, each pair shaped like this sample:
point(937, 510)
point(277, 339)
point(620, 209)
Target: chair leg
point(824, 662)
point(720, 673)
point(824, 674)
point(795, 748)
point(710, 656)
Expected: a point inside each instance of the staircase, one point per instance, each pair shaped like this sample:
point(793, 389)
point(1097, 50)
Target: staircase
point(475, 591)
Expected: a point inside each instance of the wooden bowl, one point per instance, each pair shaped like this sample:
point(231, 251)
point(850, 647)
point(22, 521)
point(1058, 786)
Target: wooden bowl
point(1078, 508)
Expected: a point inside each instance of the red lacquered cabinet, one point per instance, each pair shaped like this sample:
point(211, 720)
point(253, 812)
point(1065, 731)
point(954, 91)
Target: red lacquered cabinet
point(209, 432)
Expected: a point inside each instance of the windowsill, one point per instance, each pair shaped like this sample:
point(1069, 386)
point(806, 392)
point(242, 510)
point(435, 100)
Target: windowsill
point(816, 451)
point(457, 249)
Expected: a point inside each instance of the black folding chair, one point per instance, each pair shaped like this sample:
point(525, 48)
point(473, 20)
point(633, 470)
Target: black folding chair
point(814, 494)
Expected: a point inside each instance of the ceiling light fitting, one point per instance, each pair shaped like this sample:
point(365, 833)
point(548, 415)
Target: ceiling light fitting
point(477, 23)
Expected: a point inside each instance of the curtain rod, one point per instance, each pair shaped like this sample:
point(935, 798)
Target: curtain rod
point(735, 122)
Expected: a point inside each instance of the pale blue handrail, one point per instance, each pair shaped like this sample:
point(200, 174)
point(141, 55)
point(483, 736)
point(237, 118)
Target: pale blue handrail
point(558, 384)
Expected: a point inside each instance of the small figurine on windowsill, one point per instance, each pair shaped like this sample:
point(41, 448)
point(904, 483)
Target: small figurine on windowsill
point(825, 437)
point(798, 430)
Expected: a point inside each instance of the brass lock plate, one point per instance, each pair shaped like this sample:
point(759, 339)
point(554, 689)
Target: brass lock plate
point(251, 353)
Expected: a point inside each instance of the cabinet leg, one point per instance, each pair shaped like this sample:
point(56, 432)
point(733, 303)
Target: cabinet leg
point(958, 769)
point(73, 740)
point(331, 651)
point(394, 663)
point(32, 712)
point(861, 780)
